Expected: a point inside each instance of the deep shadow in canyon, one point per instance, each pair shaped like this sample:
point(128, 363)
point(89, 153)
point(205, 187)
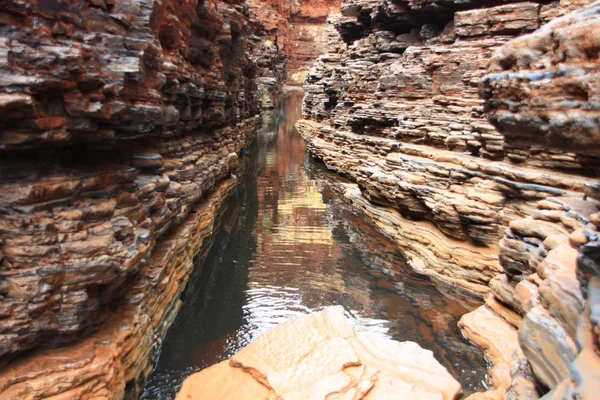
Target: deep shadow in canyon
point(288, 245)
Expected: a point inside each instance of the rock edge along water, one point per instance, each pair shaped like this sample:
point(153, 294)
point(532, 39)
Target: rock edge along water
point(121, 125)
point(320, 356)
point(395, 106)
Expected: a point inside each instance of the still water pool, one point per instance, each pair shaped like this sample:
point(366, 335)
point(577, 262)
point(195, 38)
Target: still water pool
point(288, 245)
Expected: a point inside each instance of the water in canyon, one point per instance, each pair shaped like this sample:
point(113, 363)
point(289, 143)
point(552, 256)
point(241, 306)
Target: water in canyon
point(289, 245)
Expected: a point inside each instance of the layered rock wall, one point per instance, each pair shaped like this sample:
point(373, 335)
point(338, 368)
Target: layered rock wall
point(300, 27)
point(542, 88)
point(121, 124)
point(470, 131)
point(395, 106)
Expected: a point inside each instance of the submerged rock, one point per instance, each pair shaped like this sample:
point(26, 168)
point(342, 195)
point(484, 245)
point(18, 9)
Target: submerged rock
point(321, 356)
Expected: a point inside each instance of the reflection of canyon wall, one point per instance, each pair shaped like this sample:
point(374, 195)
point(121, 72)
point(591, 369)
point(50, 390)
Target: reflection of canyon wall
point(292, 234)
point(121, 123)
point(498, 208)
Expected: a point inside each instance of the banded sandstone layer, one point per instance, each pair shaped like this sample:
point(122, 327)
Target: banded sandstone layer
point(501, 208)
point(298, 29)
point(301, 30)
point(121, 127)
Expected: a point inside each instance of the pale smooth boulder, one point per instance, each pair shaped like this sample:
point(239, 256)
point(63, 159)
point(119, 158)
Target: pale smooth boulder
point(320, 356)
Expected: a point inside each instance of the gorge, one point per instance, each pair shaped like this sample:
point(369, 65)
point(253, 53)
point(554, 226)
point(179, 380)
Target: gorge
point(461, 141)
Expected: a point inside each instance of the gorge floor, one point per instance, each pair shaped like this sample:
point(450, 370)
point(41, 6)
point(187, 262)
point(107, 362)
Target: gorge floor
point(287, 245)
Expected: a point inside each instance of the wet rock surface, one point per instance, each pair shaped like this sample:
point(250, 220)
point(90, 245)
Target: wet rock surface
point(321, 356)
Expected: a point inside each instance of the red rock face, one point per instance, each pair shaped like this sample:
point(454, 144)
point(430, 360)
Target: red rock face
point(100, 77)
point(302, 31)
point(308, 36)
point(120, 127)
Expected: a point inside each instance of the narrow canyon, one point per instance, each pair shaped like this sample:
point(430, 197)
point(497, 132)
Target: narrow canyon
point(299, 199)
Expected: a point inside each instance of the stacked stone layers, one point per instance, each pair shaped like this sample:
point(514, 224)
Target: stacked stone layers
point(113, 361)
point(501, 208)
point(81, 73)
point(120, 131)
point(542, 87)
point(395, 106)
point(535, 307)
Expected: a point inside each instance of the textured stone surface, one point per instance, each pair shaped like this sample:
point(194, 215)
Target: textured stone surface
point(320, 356)
point(395, 106)
point(73, 240)
point(131, 69)
point(429, 251)
point(549, 257)
point(547, 345)
point(121, 128)
point(500, 342)
point(539, 293)
point(543, 87)
point(103, 363)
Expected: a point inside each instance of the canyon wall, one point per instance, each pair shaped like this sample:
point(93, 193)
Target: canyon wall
point(542, 88)
point(121, 127)
point(395, 106)
point(301, 30)
point(470, 131)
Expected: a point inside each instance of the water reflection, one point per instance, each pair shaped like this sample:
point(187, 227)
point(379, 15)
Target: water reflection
point(288, 245)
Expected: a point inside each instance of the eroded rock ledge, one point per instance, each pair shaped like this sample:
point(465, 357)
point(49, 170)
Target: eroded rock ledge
point(496, 194)
point(117, 357)
point(541, 88)
point(121, 124)
point(395, 106)
point(320, 356)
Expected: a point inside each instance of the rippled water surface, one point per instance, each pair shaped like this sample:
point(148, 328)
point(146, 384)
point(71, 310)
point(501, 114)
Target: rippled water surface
point(288, 245)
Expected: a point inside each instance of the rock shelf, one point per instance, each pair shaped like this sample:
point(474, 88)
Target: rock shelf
point(320, 356)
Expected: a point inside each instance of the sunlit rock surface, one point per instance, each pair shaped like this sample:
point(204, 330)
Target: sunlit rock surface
point(549, 286)
point(101, 364)
point(539, 298)
point(321, 356)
